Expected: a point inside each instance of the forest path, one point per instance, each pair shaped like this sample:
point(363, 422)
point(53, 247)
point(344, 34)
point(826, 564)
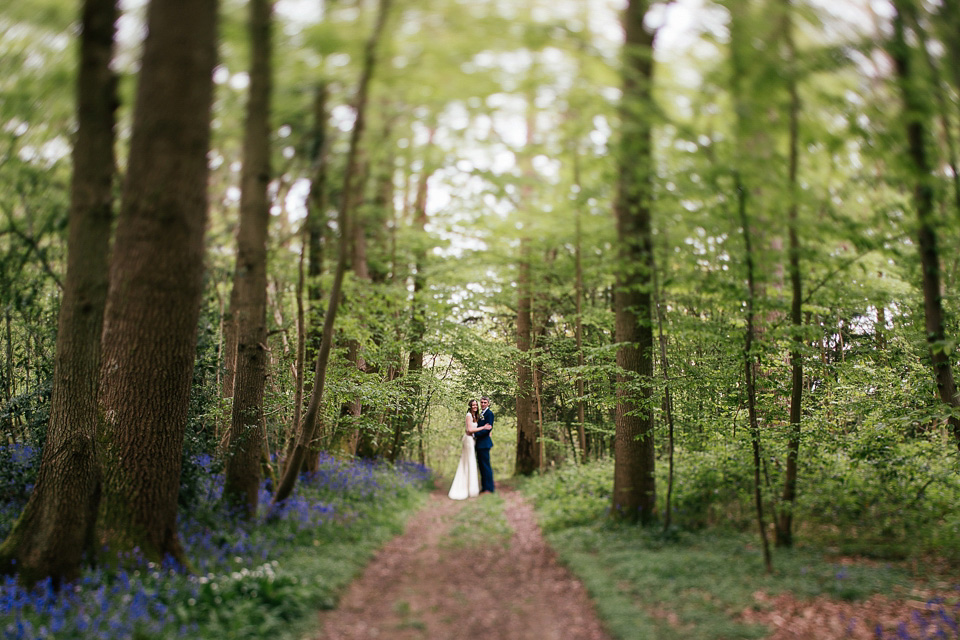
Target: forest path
point(428, 584)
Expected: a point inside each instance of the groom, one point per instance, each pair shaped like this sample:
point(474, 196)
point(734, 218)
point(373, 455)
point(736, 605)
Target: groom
point(484, 444)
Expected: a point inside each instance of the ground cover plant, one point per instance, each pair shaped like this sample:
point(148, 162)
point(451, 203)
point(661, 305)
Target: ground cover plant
point(248, 579)
point(698, 582)
point(480, 520)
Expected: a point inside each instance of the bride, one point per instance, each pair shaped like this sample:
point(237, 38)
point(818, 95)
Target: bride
point(466, 483)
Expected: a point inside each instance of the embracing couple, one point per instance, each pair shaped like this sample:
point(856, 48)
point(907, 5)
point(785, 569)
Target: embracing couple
point(475, 453)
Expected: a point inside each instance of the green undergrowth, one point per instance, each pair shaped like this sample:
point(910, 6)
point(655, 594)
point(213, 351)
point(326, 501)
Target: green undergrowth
point(310, 577)
point(683, 584)
point(262, 578)
point(480, 521)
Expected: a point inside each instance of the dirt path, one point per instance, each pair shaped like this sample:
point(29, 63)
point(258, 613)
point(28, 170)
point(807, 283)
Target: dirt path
point(421, 587)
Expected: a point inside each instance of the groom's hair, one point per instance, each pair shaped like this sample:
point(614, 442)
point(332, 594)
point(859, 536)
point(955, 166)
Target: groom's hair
point(485, 398)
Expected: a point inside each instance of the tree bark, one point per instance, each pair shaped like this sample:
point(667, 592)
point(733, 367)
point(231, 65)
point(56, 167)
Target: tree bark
point(247, 435)
point(153, 302)
point(55, 531)
point(916, 115)
point(528, 443)
point(308, 423)
point(634, 485)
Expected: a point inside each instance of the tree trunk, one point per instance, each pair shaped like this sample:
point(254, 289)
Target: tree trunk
point(308, 423)
point(667, 399)
point(418, 329)
point(352, 408)
point(300, 358)
point(916, 115)
point(8, 355)
point(316, 222)
point(54, 532)
point(749, 370)
point(247, 435)
point(784, 529)
point(578, 265)
point(528, 443)
point(943, 106)
point(634, 485)
point(153, 303)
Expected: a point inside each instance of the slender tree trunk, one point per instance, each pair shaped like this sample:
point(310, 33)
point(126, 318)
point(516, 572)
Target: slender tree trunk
point(7, 423)
point(318, 203)
point(529, 443)
point(578, 265)
point(246, 440)
point(413, 386)
point(8, 353)
point(749, 370)
point(634, 485)
point(153, 303)
point(943, 107)
point(55, 530)
point(916, 115)
point(309, 422)
point(301, 356)
point(527, 454)
point(784, 529)
point(352, 408)
point(667, 398)
point(316, 220)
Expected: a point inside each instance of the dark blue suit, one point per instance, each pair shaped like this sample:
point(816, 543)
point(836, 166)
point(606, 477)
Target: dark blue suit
point(484, 444)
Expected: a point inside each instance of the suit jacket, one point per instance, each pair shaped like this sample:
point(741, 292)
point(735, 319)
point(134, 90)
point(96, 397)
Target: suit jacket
point(482, 438)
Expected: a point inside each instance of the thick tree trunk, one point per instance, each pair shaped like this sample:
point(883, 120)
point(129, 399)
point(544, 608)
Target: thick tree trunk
point(246, 441)
point(916, 115)
point(308, 424)
point(634, 485)
point(784, 529)
point(153, 302)
point(54, 532)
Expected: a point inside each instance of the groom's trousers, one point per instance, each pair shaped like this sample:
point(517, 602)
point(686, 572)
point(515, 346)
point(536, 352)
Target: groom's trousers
point(486, 471)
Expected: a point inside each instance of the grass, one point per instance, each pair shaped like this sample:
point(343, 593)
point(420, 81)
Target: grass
point(253, 580)
point(480, 521)
point(685, 584)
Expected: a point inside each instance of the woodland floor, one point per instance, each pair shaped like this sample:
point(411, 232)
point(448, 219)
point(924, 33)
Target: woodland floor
point(423, 585)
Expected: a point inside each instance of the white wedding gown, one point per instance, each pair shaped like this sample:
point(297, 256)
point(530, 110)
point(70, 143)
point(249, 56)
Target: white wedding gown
point(466, 482)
